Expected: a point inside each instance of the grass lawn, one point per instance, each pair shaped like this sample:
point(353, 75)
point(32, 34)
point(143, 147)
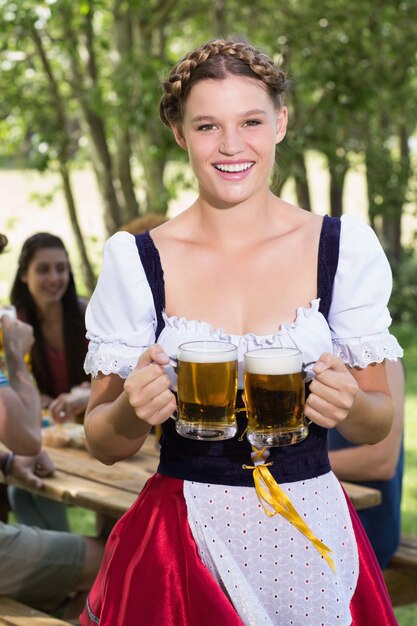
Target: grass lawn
point(407, 616)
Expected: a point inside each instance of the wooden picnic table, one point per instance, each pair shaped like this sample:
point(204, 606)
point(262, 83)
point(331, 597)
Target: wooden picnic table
point(81, 480)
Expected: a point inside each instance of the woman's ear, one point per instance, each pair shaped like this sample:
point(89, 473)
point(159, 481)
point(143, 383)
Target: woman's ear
point(282, 120)
point(179, 136)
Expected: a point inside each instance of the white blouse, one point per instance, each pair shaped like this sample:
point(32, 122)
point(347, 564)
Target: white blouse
point(272, 574)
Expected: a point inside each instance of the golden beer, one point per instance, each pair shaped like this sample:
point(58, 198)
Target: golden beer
point(207, 387)
point(275, 396)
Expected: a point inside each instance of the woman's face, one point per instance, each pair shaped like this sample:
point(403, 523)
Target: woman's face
point(230, 130)
point(47, 275)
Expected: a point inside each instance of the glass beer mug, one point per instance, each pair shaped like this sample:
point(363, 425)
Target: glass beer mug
point(207, 378)
point(274, 396)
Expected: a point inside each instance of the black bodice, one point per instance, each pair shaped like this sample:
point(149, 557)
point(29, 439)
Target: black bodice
point(221, 462)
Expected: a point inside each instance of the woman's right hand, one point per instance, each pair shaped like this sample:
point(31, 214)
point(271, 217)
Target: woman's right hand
point(148, 387)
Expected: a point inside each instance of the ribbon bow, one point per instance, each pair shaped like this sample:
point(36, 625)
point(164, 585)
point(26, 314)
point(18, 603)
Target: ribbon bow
point(269, 492)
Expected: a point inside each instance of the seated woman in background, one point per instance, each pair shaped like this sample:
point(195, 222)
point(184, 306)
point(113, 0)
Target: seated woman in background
point(45, 297)
point(379, 466)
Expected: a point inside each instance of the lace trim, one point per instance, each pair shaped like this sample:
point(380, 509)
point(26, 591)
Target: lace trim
point(369, 350)
point(110, 363)
point(219, 334)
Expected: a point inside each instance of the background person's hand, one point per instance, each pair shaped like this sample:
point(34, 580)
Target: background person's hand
point(67, 406)
point(332, 392)
point(31, 469)
point(148, 387)
point(18, 336)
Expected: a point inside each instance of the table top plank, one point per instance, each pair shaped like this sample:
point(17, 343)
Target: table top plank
point(362, 497)
point(128, 475)
point(82, 480)
point(84, 492)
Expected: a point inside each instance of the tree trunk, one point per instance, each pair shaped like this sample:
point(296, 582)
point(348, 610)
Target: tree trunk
point(302, 189)
point(129, 205)
point(392, 226)
point(123, 44)
point(153, 168)
point(219, 18)
point(338, 169)
point(86, 269)
point(63, 156)
point(82, 72)
point(103, 167)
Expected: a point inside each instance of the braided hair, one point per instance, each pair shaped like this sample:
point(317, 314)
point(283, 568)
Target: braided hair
point(216, 60)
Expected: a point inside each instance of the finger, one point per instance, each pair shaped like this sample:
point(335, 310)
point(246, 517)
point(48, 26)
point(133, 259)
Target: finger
point(142, 397)
point(328, 361)
point(318, 418)
point(154, 354)
point(159, 410)
point(32, 480)
point(327, 410)
point(154, 405)
point(44, 460)
point(331, 384)
point(334, 390)
point(44, 471)
point(59, 414)
point(138, 380)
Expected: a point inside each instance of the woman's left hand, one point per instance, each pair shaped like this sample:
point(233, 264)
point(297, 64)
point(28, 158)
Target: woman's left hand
point(332, 392)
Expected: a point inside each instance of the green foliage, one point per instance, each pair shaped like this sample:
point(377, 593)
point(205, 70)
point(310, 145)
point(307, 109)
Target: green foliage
point(403, 303)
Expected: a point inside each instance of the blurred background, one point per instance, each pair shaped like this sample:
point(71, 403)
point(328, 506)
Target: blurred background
point(82, 151)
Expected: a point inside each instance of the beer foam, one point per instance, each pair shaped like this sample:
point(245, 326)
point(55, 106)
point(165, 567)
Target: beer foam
point(207, 353)
point(273, 361)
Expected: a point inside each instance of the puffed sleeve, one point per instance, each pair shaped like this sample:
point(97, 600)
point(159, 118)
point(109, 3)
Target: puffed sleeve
point(359, 318)
point(120, 316)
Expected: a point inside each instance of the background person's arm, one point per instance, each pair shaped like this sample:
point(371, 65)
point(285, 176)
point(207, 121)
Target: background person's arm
point(20, 402)
point(376, 462)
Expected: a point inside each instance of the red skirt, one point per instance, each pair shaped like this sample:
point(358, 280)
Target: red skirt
point(152, 574)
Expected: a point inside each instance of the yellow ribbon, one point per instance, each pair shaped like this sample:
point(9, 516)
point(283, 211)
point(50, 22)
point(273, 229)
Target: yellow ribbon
point(269, 492)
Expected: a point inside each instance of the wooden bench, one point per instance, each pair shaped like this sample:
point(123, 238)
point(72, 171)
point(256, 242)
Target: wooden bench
point(14, 613)
point(401, 573)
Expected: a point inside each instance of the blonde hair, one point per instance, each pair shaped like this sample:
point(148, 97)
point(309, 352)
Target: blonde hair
point(216, 60)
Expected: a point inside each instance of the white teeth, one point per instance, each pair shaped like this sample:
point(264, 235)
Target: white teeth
point(233, 167)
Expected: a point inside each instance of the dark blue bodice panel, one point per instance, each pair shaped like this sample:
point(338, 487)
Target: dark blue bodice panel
point(220, 462)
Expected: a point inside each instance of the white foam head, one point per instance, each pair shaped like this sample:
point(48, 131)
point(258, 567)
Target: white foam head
point(207, 352)
point(273, 361)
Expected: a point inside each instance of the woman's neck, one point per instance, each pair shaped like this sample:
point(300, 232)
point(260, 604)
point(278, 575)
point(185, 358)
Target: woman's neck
point(242, 224)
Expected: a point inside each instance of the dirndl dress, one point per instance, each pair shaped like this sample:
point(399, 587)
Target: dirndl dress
point(197, 547)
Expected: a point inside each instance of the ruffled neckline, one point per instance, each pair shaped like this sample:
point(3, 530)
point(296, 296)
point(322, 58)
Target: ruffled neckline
point(202, 327)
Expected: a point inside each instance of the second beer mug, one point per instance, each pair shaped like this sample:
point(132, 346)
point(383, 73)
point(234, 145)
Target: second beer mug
point(207, 387)
point(274, 394)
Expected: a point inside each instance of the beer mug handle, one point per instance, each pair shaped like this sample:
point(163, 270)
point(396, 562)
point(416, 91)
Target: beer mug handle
point(307, 371)
point(171, 370)
point(308, 376)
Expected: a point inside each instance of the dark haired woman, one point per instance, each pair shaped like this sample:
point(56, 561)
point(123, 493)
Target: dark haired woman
point(44, 295)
